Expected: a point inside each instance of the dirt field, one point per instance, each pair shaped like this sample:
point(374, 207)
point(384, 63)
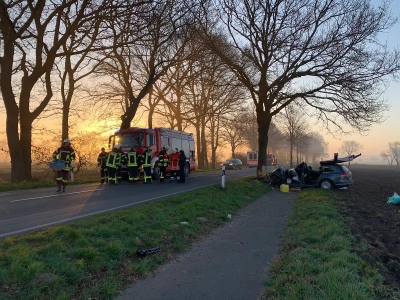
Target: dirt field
point(377, 223)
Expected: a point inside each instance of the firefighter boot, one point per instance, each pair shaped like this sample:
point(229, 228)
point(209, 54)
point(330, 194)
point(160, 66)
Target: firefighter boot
point(59, 188)
point(63, 189)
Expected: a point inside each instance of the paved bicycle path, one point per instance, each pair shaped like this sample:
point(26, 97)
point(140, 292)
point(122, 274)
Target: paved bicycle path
point(231, 263)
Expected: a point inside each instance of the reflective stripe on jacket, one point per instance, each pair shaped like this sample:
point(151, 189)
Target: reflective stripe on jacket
point(113, 159)
point(162, 161)
point(132, 159)
point(147, 159)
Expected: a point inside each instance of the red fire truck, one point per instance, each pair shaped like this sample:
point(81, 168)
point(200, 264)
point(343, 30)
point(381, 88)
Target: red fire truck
point(155, 139)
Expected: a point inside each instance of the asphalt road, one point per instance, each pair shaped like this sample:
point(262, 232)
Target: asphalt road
point(28, 210)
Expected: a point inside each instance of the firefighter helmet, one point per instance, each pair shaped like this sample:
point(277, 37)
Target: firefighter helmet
point(67, 141)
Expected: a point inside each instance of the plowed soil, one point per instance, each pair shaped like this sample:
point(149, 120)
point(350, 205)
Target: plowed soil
point(376, 223)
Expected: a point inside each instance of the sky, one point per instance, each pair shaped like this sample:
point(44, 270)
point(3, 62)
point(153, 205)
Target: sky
point(377, 139)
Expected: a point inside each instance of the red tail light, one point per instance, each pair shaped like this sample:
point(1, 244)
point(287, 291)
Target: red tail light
point(344, 175)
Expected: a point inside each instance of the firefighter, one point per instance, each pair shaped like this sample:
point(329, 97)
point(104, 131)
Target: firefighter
point(101, 163)
point(174, 163)
point(162, 164)
point(147, 165)
point(112, 163)
point(182, 164)
point(66, 153)
point(133, 166)
point(122, 163)
point(163, 151)
point(140, 161)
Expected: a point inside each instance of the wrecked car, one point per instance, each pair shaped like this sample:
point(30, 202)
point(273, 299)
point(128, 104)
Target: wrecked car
point(331, 174)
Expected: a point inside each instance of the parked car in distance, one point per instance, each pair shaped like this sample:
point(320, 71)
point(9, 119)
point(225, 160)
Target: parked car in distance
point(232, 163)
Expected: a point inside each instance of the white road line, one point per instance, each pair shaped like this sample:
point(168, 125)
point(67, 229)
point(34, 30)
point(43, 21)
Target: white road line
point(98, 212)
point(56, 195)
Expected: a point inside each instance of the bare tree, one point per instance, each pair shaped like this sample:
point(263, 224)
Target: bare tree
point(350, 147)
point(388, 156)
point(392, 154)
point(211, 93)
point(75, 65)
point(171, 89)
point(323, 52)
point(250, 128)
point(147, 40)
point(294, 127)
point(33, 34)
point(234, 132)
point(317, 147)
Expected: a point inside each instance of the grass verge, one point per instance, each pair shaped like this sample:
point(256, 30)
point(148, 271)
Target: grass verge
point(96, 257)
point(316, 260)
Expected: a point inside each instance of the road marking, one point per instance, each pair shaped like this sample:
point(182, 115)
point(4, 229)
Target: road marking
point(56, 195)
point(98, 212)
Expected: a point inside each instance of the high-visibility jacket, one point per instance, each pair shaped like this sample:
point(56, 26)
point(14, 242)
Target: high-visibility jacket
point(162, 161)
point(147, 159)
point(113, 159)
point(65, 153)
point(132, 158)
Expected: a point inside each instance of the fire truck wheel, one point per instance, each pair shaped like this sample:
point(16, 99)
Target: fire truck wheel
point(187, 169)
point(156, 173)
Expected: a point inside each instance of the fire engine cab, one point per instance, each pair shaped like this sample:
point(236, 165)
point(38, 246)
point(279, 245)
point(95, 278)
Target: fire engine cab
point(155, 139)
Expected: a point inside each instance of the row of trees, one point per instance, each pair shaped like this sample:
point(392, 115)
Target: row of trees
point(392, 154)
point(196, 63)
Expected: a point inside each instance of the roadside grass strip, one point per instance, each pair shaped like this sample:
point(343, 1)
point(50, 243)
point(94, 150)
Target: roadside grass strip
point(95, 258)
point(316, 260)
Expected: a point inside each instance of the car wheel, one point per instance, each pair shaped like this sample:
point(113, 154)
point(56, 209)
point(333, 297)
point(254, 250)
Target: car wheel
point(326, 184)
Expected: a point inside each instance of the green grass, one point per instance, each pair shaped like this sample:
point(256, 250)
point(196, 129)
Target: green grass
point(96, 257)
point(316, 260)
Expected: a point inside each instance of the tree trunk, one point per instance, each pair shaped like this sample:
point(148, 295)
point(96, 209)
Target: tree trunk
point(291, 152)
point(18, 150)
point(65, 119)
point(130, 113)
point(19, 145)
point(204, 144)
point(151, 110)
point(200, 158)
point(263, 121)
